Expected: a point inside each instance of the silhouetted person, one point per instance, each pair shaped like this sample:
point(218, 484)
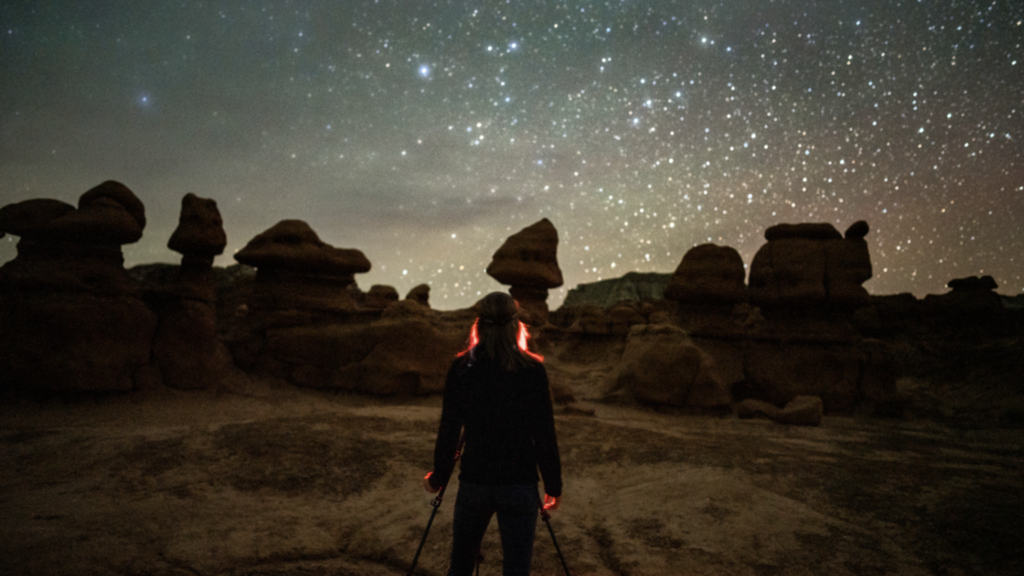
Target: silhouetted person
point(498, 391)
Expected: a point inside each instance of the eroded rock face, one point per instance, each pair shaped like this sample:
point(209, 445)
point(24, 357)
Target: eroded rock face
point(381, 296)
point(72, 317)
point(779, 372)
point(404, 353)
point(528, 262)
point(709, 274)
point(661, 366)
point(296, 270)
point(420, 294)
point(811, 265)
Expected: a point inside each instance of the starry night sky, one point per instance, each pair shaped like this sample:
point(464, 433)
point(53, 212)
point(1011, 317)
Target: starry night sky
point(424, 133)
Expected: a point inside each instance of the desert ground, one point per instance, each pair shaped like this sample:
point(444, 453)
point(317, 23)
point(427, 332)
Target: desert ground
point(270, 479)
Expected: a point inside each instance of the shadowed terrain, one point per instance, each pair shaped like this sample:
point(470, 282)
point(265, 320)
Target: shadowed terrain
point(285, 481)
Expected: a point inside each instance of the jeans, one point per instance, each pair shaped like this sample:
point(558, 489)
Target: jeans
point(516, 505)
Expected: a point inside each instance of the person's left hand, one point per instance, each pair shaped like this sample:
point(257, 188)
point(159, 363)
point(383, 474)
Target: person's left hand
point(427, 486)
point(551, 502)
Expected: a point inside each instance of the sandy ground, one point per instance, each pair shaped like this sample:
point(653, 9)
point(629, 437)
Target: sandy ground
point(285, 481)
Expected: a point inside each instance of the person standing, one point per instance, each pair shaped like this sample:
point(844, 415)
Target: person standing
point(498, 391)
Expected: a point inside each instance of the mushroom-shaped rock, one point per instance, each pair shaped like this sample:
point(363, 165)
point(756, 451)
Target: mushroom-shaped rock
point(29, 218)
point(292, 245)
point(529, 258)
point(296, 270)
point(810, 231)
point(420, 294)
point(381, 296)
point(200, 230)
point(528, 261)
point(709, 273)
point(121, 195)
point(107, 214)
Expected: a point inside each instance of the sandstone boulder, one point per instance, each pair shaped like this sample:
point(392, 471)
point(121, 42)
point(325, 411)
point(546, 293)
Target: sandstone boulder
point(709, 274)
point(528, 262)
point(661, 366)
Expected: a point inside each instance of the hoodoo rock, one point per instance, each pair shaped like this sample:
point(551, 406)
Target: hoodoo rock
point(528, 262)
point(420, 294)
point(186, 348)
point(107, 214)
point(72, 317)
point(811, 265)
point(709, 274)
point(297, 270)
point(28, 219)
point(200, 231)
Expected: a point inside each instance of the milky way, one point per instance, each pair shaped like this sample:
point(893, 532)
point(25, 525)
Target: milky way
point(425, 133)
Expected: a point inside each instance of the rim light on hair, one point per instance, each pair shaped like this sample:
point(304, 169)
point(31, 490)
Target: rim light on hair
point(522, 338)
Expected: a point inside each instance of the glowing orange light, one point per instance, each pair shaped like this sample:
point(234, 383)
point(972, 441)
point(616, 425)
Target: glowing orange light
point(521, 340)
point(524, 335)
point(474, 339)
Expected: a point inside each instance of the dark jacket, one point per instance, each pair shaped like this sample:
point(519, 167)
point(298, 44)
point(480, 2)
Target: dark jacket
point(510, 426)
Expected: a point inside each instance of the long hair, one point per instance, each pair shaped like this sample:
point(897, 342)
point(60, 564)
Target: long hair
point(498, 335)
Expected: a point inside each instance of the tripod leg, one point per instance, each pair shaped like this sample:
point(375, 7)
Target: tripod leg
point(423, 540)
point(546, 517)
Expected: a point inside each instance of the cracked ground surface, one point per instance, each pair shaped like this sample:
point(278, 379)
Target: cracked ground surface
point(289, 482)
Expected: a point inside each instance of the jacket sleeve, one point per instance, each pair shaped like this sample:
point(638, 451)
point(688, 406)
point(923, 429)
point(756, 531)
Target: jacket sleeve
point(548, 459)
point(448, 432)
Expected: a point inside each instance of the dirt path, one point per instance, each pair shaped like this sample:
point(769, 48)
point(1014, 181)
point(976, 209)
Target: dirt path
point(294, 482)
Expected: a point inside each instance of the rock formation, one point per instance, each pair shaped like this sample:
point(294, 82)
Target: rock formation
point(801, 411)
point(381, 296)
point(709, 274)
point(633, 286)
point(296, 270)
point(420, 294)
point(661, 366)
point(811, 265)
point(72, 318)
point(528, 262)
point(186, 347)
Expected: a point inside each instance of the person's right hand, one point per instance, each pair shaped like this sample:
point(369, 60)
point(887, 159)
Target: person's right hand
point(551, 502)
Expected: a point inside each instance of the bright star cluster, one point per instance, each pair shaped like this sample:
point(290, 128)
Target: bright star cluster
point(424, 133)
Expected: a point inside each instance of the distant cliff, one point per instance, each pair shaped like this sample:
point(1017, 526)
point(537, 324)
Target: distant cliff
point(632, 286)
